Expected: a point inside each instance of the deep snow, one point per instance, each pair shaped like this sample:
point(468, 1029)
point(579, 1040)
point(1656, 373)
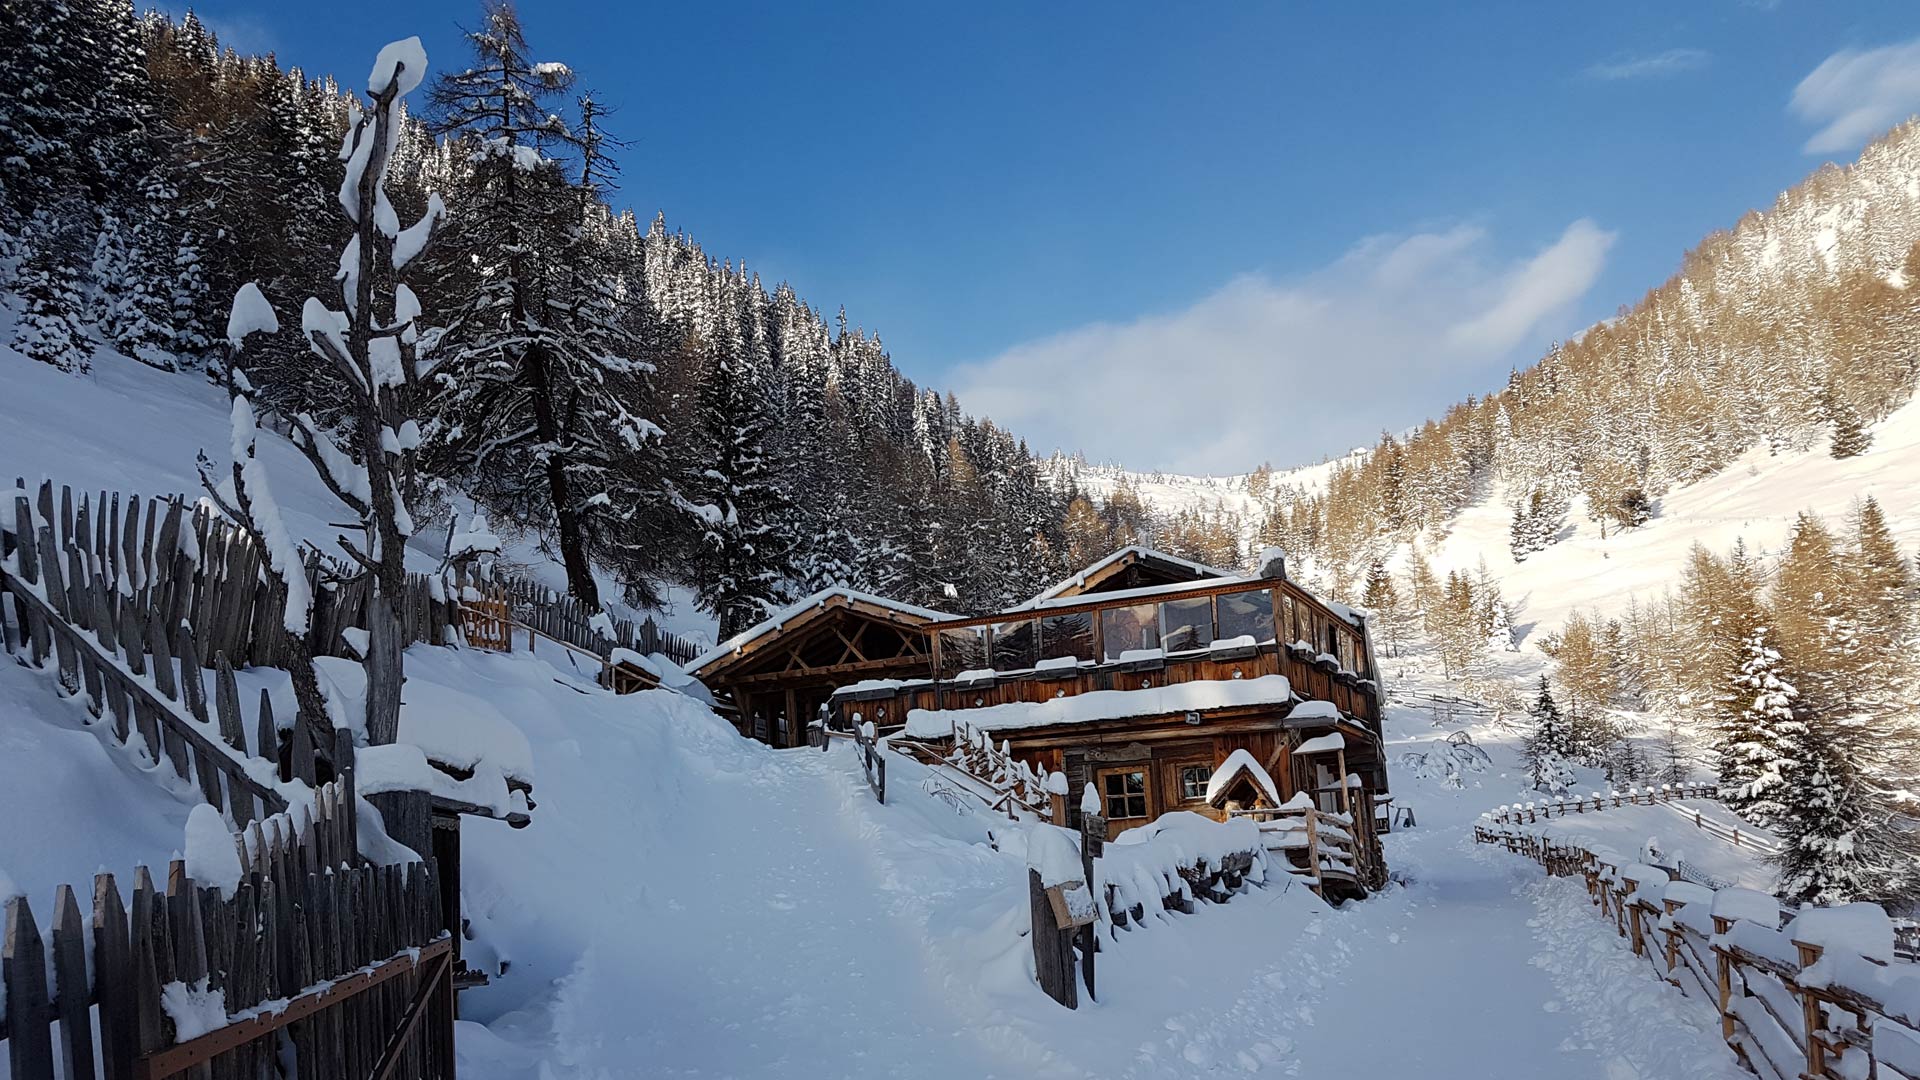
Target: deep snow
point(688, 903)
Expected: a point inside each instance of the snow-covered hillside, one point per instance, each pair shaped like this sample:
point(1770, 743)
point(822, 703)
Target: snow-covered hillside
point(690, 903)
point(1755, 498)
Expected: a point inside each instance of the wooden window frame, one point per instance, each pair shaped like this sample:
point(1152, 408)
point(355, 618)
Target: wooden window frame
point(1144, 770)
point(1180, 780)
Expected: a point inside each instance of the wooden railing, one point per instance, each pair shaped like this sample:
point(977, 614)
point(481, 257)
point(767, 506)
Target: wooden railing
point(350, 960)
point(1530, 813)
point(1005, 784)
point(1788, 1009)
point(1322, 846)
point(131, 675)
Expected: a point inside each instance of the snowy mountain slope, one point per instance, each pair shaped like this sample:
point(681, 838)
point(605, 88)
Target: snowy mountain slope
point(1756, 498)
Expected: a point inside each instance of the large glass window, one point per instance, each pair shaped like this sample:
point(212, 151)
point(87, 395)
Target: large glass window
point(1290, 618)
point(1014, 645)
point(1069, 634)
point(1124, 792)
point(1186, 624)
point(964, 649)
point(1246, 614)
point(1129, 629)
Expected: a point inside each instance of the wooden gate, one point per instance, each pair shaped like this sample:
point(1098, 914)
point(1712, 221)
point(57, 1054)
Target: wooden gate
point(488, 622)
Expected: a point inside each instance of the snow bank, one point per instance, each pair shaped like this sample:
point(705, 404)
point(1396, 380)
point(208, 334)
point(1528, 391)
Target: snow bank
point(1199, 696)
point(1142, 866)
point(212, 859)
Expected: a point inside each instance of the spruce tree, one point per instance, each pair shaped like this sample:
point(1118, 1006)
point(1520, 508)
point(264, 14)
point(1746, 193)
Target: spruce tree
point(1770, 742)
point(1549, 748)
point(741, 559)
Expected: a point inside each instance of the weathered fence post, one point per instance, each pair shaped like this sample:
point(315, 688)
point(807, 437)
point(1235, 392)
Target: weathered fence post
point(23, 972)
point(1052, 947)
point(1093, 838)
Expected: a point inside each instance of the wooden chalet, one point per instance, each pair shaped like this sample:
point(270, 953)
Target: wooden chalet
point(1145, 674)
point(775, 677)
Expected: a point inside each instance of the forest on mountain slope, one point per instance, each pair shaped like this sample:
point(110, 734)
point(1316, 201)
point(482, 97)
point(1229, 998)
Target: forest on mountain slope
point(611, 388)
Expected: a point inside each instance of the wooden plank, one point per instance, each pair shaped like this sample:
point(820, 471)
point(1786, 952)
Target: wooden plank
point(23, 972)
point(113, 965)
point(70, 972)
point(267, 736)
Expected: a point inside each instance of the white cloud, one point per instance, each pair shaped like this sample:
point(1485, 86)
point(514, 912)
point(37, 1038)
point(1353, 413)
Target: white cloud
point(1650, 66)
point(1288, 371)
point(1857, 94)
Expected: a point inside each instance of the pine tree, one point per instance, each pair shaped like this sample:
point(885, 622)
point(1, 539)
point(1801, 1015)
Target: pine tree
point(539, 370)
point(1818, 821)
point(1549, 747)
point(1771, 740)
point(1389, 613)
point(742, 561)
point(50, 329)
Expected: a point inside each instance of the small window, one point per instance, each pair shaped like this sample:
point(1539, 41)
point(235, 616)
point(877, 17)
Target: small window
point(1125, 794)
point(1129, 629)
point(1193, 782)
point(1186, 624)
point(1290, 619)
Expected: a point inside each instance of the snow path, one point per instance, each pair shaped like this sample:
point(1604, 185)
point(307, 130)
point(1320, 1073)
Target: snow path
point(688, 903)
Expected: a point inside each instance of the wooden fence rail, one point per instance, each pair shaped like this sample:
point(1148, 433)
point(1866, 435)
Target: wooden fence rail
point(310, 957)
point(1787, 1010)
point(1530, 813)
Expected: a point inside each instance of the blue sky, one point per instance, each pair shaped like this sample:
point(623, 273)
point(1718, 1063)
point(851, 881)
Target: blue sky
point(1369, 210)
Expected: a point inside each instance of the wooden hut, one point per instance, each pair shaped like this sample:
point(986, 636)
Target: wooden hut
point(775, 676)
point(1144, 691)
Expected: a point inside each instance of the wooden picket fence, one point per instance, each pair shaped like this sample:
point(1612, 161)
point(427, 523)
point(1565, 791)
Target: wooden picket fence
point(117, 566)
point(110, 641)
point(1787, 1010)
point(562, 618)
point(314, 960)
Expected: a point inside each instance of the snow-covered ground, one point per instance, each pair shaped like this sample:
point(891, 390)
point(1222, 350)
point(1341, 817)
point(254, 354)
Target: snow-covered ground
point(688, 903)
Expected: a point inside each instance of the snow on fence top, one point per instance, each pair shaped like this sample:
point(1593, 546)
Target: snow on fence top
point(1200, 696)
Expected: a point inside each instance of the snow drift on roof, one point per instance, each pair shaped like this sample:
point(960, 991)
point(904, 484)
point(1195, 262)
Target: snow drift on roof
point(1230, 770)
point(786, 614)
point(1136, 549)
point(1198, 696)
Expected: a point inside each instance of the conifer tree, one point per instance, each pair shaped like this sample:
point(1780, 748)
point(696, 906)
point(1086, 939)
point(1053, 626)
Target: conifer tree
point(1770, 743)
point(1549, 748)
point(540, 370)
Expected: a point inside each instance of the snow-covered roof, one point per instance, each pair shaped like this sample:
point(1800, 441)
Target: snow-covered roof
point(821, 599)
point(1137, 551)
point(1315, 709)
point(1197, 696)
point(1241, 762)
point(1322, 744)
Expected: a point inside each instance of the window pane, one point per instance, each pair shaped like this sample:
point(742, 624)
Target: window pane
point(1013, 645)
point(1290, 624)
point(1067, 635)
point(1129, 628)
point(1186, 624)
point(1247, 613)
point(961, 650)
point(1126, 794)
point(1193, 781)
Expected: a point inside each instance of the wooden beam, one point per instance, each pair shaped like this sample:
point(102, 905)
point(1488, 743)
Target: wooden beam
point(906, 665)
